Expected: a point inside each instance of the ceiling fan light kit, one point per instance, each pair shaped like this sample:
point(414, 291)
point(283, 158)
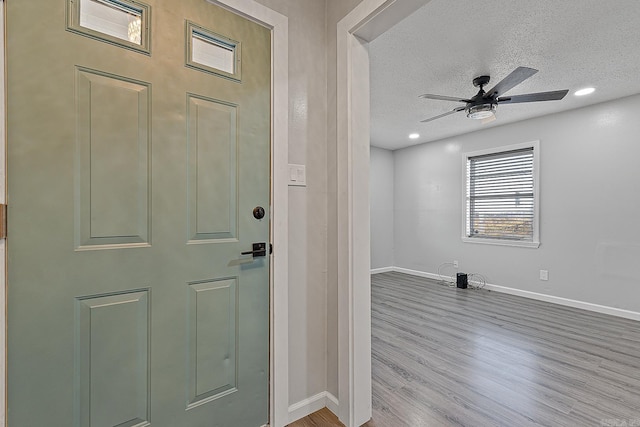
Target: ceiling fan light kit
point(483, 111)
point(484, 104)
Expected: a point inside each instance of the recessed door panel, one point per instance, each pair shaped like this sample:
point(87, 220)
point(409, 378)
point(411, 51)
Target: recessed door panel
point(212, 169)
point(112, 360)
point(213, 340)
point(112, 160)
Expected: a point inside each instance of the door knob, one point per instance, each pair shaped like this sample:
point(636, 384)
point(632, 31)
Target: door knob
point(259, 250)
point(258, 212)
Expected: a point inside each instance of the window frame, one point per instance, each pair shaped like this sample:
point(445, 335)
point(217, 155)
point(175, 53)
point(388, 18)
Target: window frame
point(194, 30)
point(535, 242)
point(73, 25)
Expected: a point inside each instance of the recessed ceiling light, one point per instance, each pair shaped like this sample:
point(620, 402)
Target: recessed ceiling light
point(585, 91)
point(414, 136)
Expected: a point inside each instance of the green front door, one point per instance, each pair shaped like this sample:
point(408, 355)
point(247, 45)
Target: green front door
point(138, 148)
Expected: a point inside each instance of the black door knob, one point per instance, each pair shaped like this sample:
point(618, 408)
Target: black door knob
point(258, 212)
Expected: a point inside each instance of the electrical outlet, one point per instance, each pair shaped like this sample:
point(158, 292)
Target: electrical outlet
point(544, 274)
point(455, 263)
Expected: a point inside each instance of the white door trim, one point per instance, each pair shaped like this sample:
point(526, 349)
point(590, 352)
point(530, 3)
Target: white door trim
point(363, 24)
point(354, 282)
point(279, 364)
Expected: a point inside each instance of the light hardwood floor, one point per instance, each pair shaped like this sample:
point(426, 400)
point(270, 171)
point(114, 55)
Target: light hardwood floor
point(443, 356)
point(322, 418)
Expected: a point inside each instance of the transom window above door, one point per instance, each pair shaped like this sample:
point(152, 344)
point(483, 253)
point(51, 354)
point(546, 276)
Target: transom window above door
point(120, 22)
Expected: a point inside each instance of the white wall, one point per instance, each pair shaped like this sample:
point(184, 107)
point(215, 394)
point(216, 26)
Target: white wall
point(313, 214)
point(382, 206)
point(590, 205)
point(307, 205)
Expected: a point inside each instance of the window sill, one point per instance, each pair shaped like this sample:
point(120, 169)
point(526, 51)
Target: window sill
point(497, 242)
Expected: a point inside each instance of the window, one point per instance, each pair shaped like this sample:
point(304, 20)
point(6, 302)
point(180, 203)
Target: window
point(501, 196)
point(213, 53)
point(119, 22)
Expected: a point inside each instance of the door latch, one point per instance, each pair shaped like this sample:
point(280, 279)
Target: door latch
point(259, 250)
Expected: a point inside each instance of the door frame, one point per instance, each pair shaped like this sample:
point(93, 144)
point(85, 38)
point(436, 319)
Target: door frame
point(278, 310)
point(368, 20)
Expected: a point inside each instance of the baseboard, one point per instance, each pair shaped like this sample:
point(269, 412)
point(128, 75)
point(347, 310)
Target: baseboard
point(381, 270)
point(312, 404)
point(613, 311)
point(420, 274)
point(332, 404)
point(627, 314)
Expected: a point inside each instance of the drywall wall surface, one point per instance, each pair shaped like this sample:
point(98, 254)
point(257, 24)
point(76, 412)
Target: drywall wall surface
point(589, 206)
point(307, 205)
point(381, 196)
point(336, 10)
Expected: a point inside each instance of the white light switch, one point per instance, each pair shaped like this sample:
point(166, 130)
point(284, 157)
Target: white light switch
point(297, 175)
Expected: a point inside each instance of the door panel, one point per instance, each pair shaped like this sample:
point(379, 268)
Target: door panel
point(213, 340)
point(132, 177)
point(111, 369)
point(113, 117)
point(212, 148)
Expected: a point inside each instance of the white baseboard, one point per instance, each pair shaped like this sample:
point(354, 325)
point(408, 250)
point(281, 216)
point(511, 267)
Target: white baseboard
point(332, 404)
point(381, 270)
point(420, 273)
point(613, 311)
point(312, 404)
point(627, 314)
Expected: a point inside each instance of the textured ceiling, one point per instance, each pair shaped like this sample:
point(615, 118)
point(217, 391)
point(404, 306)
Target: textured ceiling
point(440, 49)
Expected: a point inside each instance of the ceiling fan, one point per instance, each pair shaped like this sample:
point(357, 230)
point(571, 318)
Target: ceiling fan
point(483, 105)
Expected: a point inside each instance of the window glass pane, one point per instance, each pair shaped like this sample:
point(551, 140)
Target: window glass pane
point(500, 195)
point(213, 53)
point(112, 18)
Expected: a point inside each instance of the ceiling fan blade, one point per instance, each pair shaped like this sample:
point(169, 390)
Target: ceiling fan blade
point(455, 110)
point(516, 77)
point(444, 98)
point(555, 95)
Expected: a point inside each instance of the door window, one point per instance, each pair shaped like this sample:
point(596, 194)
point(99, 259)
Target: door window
point(120, 22)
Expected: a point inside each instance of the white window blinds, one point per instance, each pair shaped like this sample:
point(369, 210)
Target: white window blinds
point(500, 195)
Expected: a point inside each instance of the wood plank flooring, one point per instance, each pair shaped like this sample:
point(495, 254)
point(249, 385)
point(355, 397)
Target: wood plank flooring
point(443, 356)
point(322, 418)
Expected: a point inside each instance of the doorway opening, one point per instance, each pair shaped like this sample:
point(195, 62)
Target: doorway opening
point(367, 21)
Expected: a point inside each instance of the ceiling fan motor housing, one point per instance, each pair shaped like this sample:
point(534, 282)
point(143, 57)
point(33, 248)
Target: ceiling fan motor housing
point(481, 81)
point(481, 105)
